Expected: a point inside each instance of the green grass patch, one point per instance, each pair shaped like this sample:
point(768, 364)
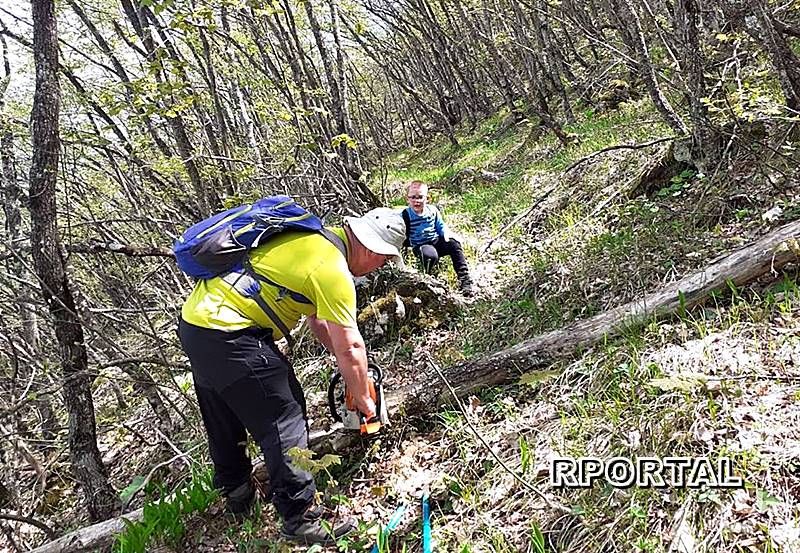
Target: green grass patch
point(163, 521)
point(492, 205)
point(505, 197)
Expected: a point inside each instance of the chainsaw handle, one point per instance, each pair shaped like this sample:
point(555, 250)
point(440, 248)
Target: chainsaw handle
point(377, 382)
point(377, 378)
point(332, 396)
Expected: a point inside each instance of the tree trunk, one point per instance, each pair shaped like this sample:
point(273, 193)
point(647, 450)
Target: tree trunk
point(497, 68)
point(207, 199)
point(785, 62)
point(28, 321)
point(349, 155)
point(143, 384)
point(120, 71)
point(12, 199)
point(633, 35)
point(705, 154)
point(101, 500)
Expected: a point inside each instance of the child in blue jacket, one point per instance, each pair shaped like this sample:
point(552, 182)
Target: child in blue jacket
point(429, 236)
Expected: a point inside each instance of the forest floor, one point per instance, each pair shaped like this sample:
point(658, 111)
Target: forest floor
point(719, 381)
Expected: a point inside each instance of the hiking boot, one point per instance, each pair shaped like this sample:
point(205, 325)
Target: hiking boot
point(239, 501)
point(311, 527)
point(466, 289)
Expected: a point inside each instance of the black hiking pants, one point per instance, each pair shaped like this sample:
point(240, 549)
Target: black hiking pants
point(244, 384)
point(429, 255)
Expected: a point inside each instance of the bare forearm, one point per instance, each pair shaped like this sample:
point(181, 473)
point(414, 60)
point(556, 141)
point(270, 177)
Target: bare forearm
point(320, 330)
point(351, 357)
point(352, 364)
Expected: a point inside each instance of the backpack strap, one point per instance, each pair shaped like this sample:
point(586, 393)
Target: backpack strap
point(283, 291)
point(275, 319)
point(334, 239)
point(407, 221)
point(246, 282)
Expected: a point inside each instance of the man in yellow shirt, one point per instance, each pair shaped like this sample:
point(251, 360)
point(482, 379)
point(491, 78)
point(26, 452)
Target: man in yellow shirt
point(245, 384)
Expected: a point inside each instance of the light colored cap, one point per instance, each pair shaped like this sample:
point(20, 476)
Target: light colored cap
point(381, 230)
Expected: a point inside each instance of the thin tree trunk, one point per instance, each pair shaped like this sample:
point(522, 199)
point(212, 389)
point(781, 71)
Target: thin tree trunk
point(144, 384)
point(206, 199)
point(12, 201)
point(784, 61)
point(101, 500)
point(123, 76)
point(704, 143)
point(631, 30)
point(349, 155)
point(498, 68)
point(28, 321)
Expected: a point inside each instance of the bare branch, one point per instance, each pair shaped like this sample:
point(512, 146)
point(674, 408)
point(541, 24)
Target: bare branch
point(131, 250)
point(618, 147)
point(32, 521)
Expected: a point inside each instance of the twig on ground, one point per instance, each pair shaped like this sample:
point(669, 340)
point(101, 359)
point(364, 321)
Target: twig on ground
point(530, 487)
point(618, 147)
point(32, 521)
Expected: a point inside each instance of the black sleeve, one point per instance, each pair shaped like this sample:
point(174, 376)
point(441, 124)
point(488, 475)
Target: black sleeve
point(407, 221)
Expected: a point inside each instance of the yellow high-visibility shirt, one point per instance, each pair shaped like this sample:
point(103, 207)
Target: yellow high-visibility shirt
point(303, 262)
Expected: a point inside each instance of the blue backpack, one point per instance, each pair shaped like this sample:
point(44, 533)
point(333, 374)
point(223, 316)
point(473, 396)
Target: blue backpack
point(220, 245)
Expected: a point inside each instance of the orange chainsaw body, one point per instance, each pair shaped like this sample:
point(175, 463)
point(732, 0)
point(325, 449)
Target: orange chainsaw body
point(343, 408)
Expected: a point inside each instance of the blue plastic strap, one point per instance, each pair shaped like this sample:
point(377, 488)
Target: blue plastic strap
point(426, 525)
point(394, 521)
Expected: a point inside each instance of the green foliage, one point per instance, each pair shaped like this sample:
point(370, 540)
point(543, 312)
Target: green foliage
point(537, 539)
point(525, 454)
point(135, 485)
point(304, 459)
point(344, 140)
point(678, 183)
point(163, 521)
point(361, 540)
point(765, 500)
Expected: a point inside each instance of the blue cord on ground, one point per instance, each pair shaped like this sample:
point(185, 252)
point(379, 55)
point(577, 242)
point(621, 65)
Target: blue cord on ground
point(394, 521)
point(426, 525)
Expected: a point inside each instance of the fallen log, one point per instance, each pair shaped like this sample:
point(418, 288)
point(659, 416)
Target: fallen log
point(90, 538)
point(767, 254)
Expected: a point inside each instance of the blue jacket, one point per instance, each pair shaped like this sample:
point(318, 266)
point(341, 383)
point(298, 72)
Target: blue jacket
point(425, 228)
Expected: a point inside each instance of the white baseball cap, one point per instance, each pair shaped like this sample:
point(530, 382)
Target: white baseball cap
point(381, 230)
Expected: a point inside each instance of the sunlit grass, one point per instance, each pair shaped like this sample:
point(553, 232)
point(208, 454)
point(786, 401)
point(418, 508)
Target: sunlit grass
point(493, 204)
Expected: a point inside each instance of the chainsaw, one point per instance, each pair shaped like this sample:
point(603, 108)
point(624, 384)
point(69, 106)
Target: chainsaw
point(343, 408)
